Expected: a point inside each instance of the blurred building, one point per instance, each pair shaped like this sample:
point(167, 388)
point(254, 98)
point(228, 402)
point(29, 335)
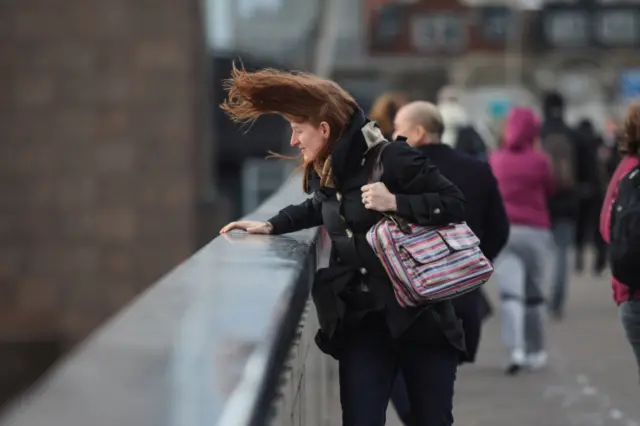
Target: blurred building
point(104, 165)
point(500, 51)
point(243, 176)
point(583, 48)
point(515, 49)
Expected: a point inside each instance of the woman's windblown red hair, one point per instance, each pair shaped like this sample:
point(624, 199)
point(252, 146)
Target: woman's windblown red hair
point(299, 97)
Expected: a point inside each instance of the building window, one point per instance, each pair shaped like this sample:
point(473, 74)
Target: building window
point(389, 25)
point(495, 24)
point(438, 31)
point(567, 28)
point(618, 27)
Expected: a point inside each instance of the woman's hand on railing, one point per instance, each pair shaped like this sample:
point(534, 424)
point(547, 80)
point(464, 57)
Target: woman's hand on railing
point(251, 226)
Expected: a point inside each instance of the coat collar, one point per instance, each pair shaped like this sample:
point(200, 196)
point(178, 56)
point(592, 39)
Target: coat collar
point(360, 136)
point(436, 147)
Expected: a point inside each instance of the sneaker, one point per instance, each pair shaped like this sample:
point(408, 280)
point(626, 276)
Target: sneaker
point(518, 360)
point(537, 361)
point(556, 314)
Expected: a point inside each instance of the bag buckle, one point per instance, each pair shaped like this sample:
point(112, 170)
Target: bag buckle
point(402, 225)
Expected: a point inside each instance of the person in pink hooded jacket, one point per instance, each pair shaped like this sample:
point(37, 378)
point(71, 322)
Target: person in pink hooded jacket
point(525, 179)
point(629, 303)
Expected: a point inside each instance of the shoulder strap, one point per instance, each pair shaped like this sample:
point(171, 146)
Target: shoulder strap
point(377, 168)
point(376, 173)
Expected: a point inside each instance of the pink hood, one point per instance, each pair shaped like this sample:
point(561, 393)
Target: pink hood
point(521, 130)
point(523, 171)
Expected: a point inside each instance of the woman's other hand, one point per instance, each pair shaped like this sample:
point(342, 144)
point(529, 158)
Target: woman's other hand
point(251, 226)
point(377, 197)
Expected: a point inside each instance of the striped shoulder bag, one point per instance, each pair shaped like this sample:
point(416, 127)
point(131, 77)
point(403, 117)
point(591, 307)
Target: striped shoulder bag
point(427, 264)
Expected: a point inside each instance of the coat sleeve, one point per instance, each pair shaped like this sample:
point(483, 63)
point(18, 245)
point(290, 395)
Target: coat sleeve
point(496, 223)
point(299, 216)
point(423, 195)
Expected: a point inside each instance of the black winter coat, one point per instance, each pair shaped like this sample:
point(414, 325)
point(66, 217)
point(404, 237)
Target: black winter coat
point(565, 204)
point(355, 283)
point(485, 211)
point(470, 142)
point(486, 216)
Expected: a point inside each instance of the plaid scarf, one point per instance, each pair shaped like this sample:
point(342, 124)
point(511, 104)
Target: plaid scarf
point(325, 173)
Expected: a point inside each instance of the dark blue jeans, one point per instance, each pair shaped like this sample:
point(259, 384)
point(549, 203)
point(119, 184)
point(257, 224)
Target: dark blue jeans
point(368, 367)
point(400, 400)
point(563, 232)
point(472, 308)
point(630, 317)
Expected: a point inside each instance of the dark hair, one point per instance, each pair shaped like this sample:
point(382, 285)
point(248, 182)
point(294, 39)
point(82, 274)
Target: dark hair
point(385, 109)
point(553, 104)
point(585, 124)
point(630, 142)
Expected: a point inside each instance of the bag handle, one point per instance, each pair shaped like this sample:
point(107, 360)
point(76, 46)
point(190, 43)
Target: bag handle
point(376, 174)
point(377, 169)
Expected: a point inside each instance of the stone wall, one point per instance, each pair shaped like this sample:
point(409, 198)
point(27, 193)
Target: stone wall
point(101, 125)
point(310, 394)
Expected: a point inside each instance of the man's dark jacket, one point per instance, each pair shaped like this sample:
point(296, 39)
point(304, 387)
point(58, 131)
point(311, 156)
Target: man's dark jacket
point(485, 215)
point(564, 205)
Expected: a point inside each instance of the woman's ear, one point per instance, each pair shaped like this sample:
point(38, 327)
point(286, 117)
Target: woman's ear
point(325, 129)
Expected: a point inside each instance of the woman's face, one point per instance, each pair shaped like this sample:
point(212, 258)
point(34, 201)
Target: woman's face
point(309, 139)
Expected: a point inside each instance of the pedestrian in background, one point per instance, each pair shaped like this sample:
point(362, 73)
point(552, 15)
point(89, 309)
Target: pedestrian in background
point(526, 182)
point(573, 174)
point(628, 301)
point(422, 126)
point(384, 110)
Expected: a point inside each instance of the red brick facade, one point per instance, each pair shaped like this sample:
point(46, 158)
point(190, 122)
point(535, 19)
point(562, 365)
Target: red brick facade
point(405, 12)
point(400, 15)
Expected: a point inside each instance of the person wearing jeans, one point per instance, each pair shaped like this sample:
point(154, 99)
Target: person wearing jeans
point(362, 324)
point(422, 125)
point(563, 231)
point(630, 318)
point(628, 302)
point(520, 272)
point(525, 180)
point(564, 204)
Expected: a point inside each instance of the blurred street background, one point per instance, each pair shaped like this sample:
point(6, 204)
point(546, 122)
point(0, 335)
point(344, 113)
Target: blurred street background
point(116, 163)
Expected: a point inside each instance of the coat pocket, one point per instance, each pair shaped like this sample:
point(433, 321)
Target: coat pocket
point(427, 245)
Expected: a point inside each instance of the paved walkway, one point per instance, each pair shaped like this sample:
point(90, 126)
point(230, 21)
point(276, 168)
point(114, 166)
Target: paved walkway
point(591, 380)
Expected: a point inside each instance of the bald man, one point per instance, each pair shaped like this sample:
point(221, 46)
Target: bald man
point(421, 124)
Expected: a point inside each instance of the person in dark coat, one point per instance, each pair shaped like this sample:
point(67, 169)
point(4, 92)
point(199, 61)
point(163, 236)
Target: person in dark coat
point(421, 124)
point(362, 324)
point(470, 142)
point(590, 202)
point(564, 205)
